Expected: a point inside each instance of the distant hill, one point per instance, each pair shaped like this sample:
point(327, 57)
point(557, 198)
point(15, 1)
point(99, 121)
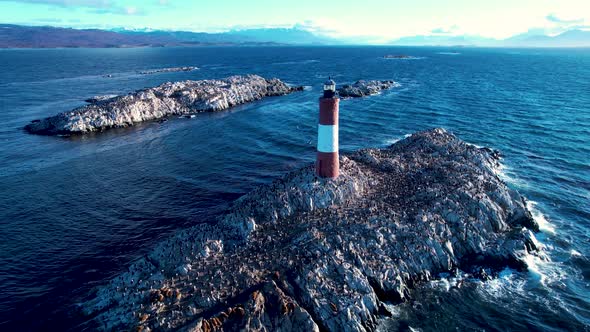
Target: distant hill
point(572, 38)
point(534, 38)
point(185, 36)
point(48, 37)
point(16, 36)
point(274, 35)
point(286, 36)
point(435, 40)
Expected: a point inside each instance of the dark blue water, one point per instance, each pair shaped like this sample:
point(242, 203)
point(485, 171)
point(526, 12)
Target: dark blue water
point(77, 211)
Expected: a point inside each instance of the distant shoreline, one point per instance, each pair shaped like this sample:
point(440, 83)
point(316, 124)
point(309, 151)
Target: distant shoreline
point(2, 48)
point(20, 36)
point(149, 46)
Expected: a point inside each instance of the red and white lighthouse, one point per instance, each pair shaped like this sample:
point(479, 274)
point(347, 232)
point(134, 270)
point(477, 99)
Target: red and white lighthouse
point(327, 164)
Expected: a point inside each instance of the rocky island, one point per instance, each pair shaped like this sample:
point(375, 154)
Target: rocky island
point(309, 254)
point(398, 56)
point(167, 70)
point(364, 88)
point(172, 98)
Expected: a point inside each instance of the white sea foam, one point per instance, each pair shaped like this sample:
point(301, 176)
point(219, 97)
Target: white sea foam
point(575, 253)
point(507, 175)
point(406, 58)
point(449, 53)
point(392, 141)
point(446, 283)
point(544, 224)
point(508, 282)
point(541, 272)
point(296, 62)
point(544, 270)
point(512, 287)
point(535, 268)
point(475, 145)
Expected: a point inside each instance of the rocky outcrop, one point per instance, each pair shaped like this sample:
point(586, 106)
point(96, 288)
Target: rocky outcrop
point(177, 98)
point(305, 254)
point(265, 308)
point(167, 70)
point(365, 88)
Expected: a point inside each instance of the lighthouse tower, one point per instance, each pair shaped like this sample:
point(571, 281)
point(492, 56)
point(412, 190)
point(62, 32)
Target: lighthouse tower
point(327, 164)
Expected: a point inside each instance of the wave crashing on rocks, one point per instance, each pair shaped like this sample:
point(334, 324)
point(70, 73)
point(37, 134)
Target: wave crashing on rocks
point(310, 254)
point(172, 98)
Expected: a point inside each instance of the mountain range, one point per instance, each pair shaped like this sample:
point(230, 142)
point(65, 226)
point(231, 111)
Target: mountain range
point(18, 36)
point(570, 38)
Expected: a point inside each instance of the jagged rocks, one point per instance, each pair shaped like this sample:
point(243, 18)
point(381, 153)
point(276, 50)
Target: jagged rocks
point(172, 98)
point(264, 309)
point(365, 88)
point(323, 254)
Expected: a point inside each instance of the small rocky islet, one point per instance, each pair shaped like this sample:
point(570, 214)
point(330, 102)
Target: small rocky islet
point(167, 70)
point(307, 254)
point(171, 98)
point(399, 56)
point(364, 88)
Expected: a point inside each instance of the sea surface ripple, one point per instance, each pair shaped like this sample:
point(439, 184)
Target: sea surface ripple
point(76, 211)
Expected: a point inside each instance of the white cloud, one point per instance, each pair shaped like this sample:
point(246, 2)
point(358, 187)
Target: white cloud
point(68, 3)
point(454, 29)
point(93, 6)
point(558, 24)
point(572, 21)
point(131, 10)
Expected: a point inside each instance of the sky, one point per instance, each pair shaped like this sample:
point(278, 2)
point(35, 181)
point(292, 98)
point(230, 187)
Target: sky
point(377, 20)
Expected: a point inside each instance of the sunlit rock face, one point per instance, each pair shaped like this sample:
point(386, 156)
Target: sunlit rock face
point(172, 98)
point(304, 253)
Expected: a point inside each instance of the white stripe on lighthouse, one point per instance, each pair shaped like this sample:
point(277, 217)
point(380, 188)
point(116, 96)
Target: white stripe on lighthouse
point(328, 138)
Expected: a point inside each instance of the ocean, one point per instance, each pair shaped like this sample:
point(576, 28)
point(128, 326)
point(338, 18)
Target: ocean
point(76, 211)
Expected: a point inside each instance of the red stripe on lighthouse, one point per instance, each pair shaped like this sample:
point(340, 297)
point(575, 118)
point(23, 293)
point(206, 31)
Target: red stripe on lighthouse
point(327, 164)
point(329, 111)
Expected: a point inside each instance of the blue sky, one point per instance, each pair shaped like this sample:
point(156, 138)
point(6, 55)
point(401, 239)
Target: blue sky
point(376, 19)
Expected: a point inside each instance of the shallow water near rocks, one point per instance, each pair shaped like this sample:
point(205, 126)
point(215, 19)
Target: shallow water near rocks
point(76, 211)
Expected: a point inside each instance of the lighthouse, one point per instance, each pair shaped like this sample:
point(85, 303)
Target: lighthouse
point(327, 164)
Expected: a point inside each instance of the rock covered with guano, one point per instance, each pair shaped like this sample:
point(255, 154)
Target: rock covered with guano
point(172, 98)
point(365, 88)
point(309, 254)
